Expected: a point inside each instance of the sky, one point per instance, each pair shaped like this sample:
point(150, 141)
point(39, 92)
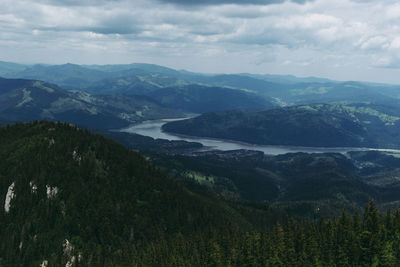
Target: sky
point(337, 39)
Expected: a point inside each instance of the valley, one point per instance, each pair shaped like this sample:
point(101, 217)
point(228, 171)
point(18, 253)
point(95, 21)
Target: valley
point(216, 133)
point(154, 130)
point(310, 184)
point(146, 164)
point(74, 197)
point(319, 125)
point(229, 119)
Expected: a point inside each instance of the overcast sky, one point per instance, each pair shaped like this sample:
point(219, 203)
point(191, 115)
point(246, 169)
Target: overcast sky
point(339, 39)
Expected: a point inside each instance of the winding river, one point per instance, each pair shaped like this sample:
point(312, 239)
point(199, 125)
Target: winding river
point(153, 129)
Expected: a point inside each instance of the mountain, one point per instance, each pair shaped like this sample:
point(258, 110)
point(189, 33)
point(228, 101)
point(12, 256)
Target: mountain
point(200, 99)
point(26, 100)
point(323, 125)
point(132, 82)
point(69, 76)
point(9, 67)
point(315, 91)
point(237, 81)
point(179, 94)
point(288, 79)
point(132, 108)
point(71, 197)
point(333, 92)
point(148, 144)
point(290, 90)
point(152, 68)
point(129, 79)
point(308, 185)
point(146, 79)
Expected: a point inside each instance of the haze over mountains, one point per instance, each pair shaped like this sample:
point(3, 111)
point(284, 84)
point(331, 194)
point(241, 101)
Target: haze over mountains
point(151, 92)
point(144, 78)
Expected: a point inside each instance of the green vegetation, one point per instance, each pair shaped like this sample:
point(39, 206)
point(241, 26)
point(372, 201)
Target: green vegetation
point(72, 197)
point(200, 99)
point(8, 67)
point(368, 240)
point(145, 143)
point(319, 184)
point(107, 201)
point(25, 100)
point(134, 79)
point(335, 125)
point(200, 178)
point(257, 91)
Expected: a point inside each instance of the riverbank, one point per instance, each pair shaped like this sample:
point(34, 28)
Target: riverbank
point(154, 129)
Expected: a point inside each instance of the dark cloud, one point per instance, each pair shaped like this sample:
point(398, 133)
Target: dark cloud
point(95, 29)
point(121, 24)
point(76, 2)
point(220, 2)
point(117, 23)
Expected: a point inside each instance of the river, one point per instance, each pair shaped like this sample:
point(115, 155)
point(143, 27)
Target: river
point(153, 129)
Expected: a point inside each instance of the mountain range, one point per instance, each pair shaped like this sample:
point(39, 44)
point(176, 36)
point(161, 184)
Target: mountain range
point(75, 198)
point(262, 109)
point(26, 100)
point(144, 79)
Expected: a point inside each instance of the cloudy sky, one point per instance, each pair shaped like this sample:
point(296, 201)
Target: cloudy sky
point(339, 39)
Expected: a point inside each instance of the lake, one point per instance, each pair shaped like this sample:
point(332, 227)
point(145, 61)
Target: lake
point(153, 129)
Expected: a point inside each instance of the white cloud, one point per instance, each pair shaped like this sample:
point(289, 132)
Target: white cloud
point(375, 42)
point(320, 37)
point(395, 44)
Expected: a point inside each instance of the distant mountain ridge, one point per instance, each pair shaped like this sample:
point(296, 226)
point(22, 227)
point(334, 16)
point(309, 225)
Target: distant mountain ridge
point(9, 67)
point(67, 75)
point(199, 99)
point(144, 79)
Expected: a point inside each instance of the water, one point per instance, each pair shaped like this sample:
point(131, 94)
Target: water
point(153, 129)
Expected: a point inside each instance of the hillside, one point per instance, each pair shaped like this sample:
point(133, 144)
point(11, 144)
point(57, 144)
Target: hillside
point(64, 187)
point(321, 125)
point(9, 67)
point(132, 81)
point(146, 79)
point(200, 99)
point(70, 76)
point(305, 184)
point(72, 198)
point(26, 100)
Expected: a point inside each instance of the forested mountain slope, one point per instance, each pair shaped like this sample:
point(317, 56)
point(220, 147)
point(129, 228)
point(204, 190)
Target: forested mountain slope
point(320, 125)
point(25, 100)
point(75, 198)
point(62, 186)
point(200, 99)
